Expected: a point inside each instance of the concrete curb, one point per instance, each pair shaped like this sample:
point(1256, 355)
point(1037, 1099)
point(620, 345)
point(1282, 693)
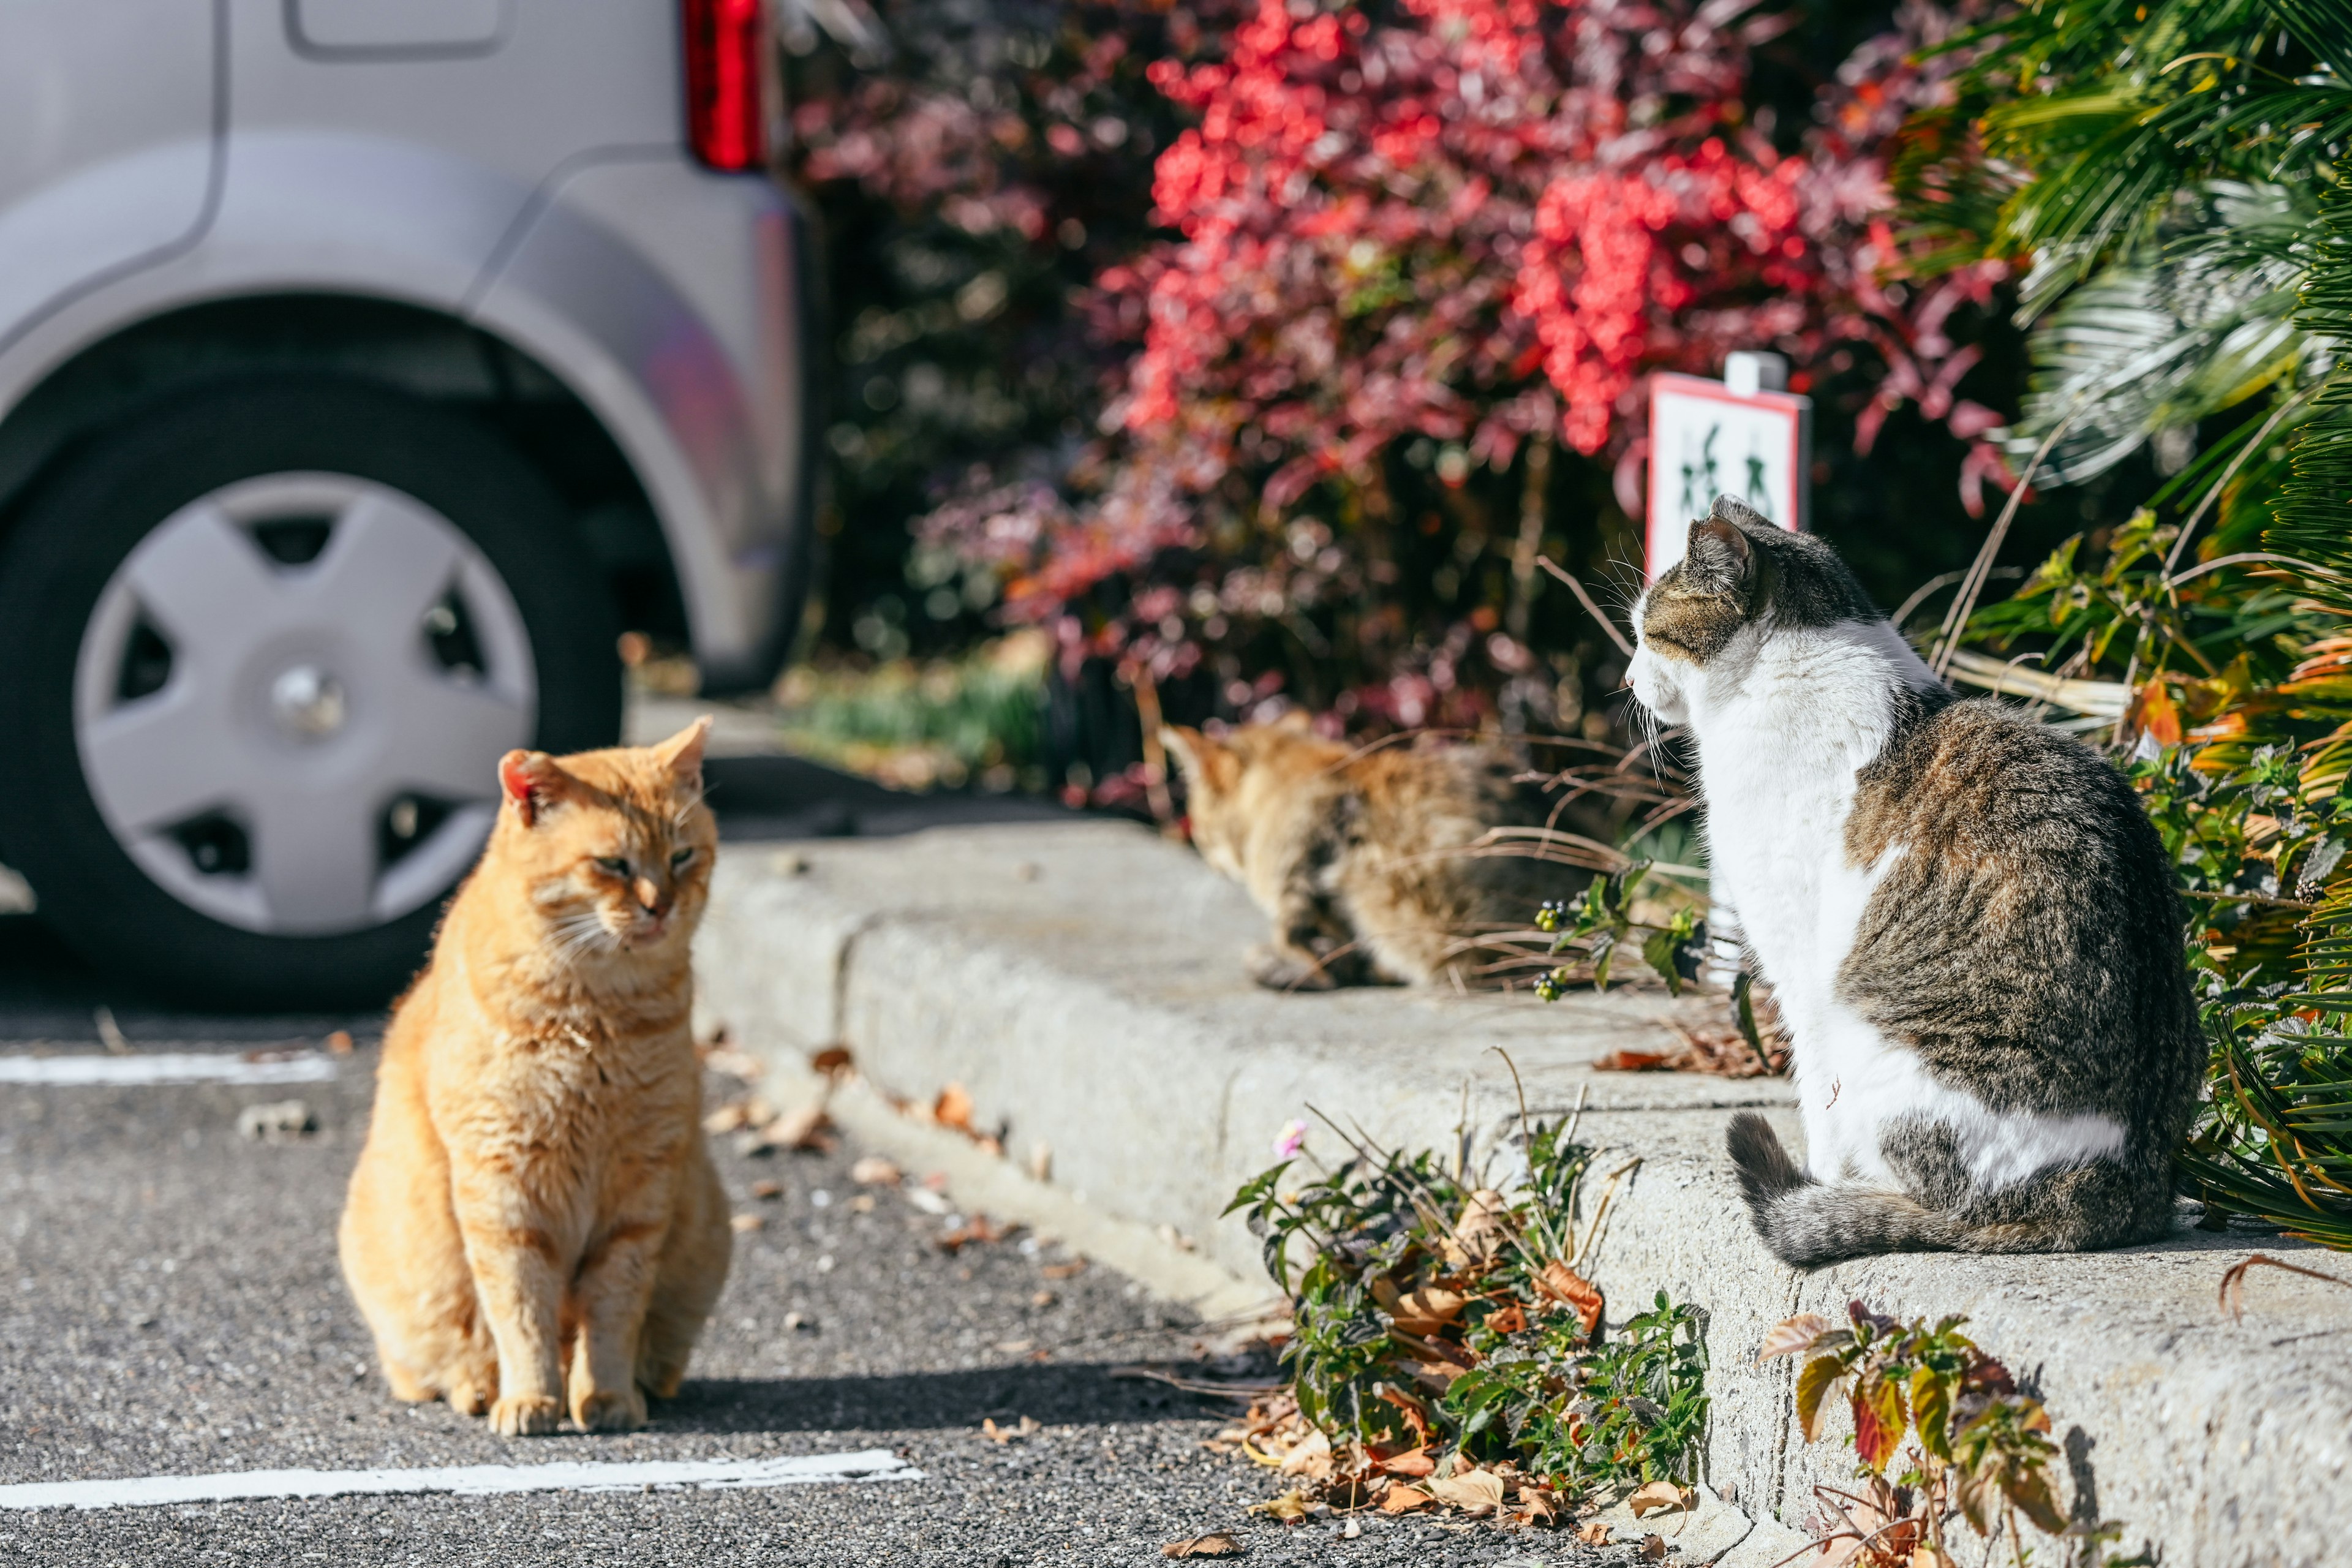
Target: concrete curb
point(1081, 981)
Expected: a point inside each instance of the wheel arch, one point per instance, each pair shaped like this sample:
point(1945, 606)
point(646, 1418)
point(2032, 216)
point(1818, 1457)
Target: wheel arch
point(419, 350)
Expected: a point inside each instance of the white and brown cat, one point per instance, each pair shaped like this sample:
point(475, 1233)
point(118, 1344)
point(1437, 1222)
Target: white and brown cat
point(1968, 921)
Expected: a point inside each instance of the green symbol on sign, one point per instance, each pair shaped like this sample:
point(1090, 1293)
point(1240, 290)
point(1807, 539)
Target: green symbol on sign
point(1698, 478)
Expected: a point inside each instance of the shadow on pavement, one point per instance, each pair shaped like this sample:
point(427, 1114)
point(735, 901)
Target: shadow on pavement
point(1054, 1394)
point(48, 993)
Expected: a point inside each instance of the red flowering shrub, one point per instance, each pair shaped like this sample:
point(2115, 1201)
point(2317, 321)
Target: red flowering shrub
point(1414, 251)
point(1460, 224)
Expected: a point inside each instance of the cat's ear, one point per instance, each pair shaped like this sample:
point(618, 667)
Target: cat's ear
point(1295, 722)
point(1719, 557)
point(1208, 764)
point(532, 782)
point(682, 753)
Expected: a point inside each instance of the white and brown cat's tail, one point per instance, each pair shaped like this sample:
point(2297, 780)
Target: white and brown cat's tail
point(1807, 1223)
point(2066, 1208)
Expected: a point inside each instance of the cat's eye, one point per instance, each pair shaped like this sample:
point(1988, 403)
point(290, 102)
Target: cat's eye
point(612, 864)
point(680, 859)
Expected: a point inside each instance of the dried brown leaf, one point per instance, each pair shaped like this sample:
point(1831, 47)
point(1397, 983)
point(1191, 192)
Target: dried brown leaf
point(1405, 1499)
point(1413, 1462)
point(1311, 1458)
point(1215, 1545)
point(1658, 1496)
point(1290, 1507)
point(1793, 1336)
point(746, 1222)
point(953, 1108)
point(1472, 1491)
point(733, 1063)
point(1636, 1061)
point(1028, 1427)
point(1652, 1549)
point(1566, 1286)
point(339, 1043)
point(832, 1060)
point(1592, 1533)
point(1067, 1270)
point(803, 1127)
point(874, 1171)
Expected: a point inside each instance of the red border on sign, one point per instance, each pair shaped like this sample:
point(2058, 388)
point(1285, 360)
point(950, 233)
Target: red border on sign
point(1795, 404)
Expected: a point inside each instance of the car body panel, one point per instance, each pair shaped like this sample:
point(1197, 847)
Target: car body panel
point(664, 298)
point(109, 144)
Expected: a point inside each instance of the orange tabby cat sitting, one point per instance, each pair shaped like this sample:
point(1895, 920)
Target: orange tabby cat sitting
point(535, 1217)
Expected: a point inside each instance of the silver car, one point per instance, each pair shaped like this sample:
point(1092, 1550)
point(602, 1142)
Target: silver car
point(365, 367)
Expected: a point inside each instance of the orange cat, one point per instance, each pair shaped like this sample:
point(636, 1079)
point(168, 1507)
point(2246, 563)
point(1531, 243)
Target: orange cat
point(535, 1215)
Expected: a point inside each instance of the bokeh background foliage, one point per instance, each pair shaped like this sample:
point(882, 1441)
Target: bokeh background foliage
point(1252, 353)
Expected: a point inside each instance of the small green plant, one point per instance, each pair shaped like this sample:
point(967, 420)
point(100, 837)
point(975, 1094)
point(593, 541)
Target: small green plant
point(1443, 1346)
point(1603, 922)
point(1981, 1451)
point(977, 718)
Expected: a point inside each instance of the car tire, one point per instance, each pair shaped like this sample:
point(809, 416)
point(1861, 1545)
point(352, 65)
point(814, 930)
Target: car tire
point(119, 520)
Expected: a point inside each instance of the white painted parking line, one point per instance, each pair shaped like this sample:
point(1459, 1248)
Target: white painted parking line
point(166, 1066)
point(466, 1481)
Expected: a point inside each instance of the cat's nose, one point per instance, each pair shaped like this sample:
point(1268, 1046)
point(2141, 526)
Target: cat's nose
point(650, 896)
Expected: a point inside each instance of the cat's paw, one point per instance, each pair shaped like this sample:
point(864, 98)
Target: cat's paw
point(468, 1398)
point(1279, 970)
point(526, 1415)
point(609, 1410)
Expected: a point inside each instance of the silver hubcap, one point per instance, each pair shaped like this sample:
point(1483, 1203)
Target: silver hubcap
point(290, 701)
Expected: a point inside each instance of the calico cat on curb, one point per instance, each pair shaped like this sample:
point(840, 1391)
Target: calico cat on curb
point(1369, 862)
point(1968, 921)
point(535, 1224)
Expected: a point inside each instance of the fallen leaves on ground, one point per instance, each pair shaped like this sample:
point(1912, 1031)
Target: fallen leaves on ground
point(978, 1227)
point(733, 1063)
point(874, 1171)
point(1347, 1476)
point(832, 1061)
point(746, 1222)
point(759, 1127)
point(1068, 1269)
point(1652, 1549)
point(1028, 1426)
point(1215, 1545)
point(1717, 1052)
point(953, 1108)
point(1592, 1533)
point(1474, 1492)
point(1658, 1496)
point(1566, 1286)
point(339, 1043)
point(1290, 1507)
point(767, 1190)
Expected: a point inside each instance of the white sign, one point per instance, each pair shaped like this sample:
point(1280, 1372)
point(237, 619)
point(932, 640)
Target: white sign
point(1707, 440)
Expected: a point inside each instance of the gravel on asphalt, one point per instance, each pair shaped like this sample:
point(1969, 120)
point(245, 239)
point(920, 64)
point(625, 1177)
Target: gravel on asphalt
point(171, 1304)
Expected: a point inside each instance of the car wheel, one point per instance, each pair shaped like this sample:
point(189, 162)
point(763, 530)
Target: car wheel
point(268, 643)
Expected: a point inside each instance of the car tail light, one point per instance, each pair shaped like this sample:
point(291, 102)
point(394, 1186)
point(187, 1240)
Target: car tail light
point(726, 81)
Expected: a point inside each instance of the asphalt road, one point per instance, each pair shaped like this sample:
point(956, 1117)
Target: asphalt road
point(170, 1304)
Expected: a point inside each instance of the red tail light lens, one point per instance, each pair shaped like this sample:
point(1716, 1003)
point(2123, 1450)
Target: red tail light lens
point(726, 75)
